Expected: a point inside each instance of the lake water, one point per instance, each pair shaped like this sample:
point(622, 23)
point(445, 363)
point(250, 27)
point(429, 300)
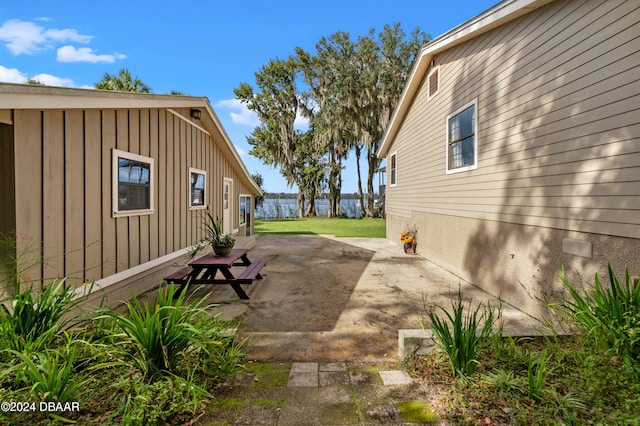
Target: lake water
point(284, 208)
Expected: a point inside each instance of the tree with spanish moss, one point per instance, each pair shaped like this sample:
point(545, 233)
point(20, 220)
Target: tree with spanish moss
point(276, 101)
point(330, 84)
point(383, 67)
point(354, 86)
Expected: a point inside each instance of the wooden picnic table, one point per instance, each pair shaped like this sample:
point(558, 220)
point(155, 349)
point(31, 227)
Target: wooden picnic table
point(205, 269)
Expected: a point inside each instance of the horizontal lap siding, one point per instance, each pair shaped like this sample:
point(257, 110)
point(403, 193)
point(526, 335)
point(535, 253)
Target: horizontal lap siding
point(64, 184)
point(558, 124)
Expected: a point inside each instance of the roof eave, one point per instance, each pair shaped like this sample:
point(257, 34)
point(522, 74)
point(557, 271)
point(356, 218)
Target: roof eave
point(499, 14)
point(23, 96)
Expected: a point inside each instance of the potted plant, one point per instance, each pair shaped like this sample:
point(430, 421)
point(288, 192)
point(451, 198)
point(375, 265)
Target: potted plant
point(409, 241)
point(221, 243)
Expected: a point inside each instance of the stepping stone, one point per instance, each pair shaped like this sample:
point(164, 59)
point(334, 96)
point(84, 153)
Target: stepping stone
point(328, 378)
point(302, 380)
point(303, 374)
point(395, 377)
point(304, 367)
point(333, 366)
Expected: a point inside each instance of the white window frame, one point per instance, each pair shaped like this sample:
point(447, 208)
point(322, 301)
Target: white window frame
point(393, 171)
point(429, 94)
point(116, 154)
point(240, 206)
point(247, 224)
point(193, 170)
point(473, 166)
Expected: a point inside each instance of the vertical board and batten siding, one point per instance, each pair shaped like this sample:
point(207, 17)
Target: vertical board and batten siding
point(558, 118)
point(7, 191)
point(63, 182)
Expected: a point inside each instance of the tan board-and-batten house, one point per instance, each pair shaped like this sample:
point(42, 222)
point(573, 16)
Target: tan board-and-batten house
point(515, 148)
point(109, 187)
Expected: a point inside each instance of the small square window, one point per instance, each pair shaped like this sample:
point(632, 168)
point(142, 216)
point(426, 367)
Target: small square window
point(462, 141)
point(197, 188)
point(132, 184)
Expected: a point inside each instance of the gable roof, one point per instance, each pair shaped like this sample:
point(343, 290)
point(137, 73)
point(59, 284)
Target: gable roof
point(499, 14)
point(25, 96)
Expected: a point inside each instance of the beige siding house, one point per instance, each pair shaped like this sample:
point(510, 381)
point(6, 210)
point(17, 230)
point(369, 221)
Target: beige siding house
point(110, 187)
point(515, 148)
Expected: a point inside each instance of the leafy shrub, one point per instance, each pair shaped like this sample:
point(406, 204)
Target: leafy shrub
point(504, 381)
point(156, 337)
point(462, 337)
point(609, 315)
point(157, 402)
point(49, 375)
point(36, 317)
point(154, 364)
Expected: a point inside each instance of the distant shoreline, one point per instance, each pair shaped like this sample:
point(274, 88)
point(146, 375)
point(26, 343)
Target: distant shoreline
point(293, 195)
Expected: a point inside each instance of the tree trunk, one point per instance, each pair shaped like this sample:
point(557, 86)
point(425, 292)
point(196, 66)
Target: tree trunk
point(370, 192)
point(300, 203)
point(332, 160)
point(311, 208)
point(338, 192)
point(373, 162)
point(360, 196)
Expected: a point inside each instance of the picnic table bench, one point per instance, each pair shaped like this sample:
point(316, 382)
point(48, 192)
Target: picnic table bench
point(205, 269)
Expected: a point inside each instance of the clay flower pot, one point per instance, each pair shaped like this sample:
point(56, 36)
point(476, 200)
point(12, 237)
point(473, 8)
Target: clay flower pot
point(409, 248)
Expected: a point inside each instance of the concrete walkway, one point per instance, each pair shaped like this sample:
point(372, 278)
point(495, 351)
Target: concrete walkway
point(324, 323)
point(328, 299)
point(310, 393)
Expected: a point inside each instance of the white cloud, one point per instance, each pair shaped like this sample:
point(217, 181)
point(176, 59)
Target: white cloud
point(243, 116)
point(52, 80)
point(85, 54)
point(11, 75)
point(67, 34)
point(23, 37)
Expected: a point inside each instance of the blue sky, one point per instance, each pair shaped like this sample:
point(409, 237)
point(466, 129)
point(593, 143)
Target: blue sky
point(204, 48)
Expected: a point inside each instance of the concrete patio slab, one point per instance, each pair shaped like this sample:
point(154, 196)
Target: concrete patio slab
point(326, 299)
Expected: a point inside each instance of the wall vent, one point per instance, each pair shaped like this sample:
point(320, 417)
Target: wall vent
point(434, 81)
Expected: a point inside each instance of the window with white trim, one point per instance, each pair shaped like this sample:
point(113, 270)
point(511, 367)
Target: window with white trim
point(132, 184)
point(462, 141)
point(197, 188)
point(434, 82)
point(393, 162)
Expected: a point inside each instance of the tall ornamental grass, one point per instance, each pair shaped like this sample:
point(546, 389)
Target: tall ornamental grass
point(156, 337)
point(461, 336)
point(608, 314)
point(32, 319)
point(49, 375)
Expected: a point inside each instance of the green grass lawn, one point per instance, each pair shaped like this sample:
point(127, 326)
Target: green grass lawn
point(340, 227)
